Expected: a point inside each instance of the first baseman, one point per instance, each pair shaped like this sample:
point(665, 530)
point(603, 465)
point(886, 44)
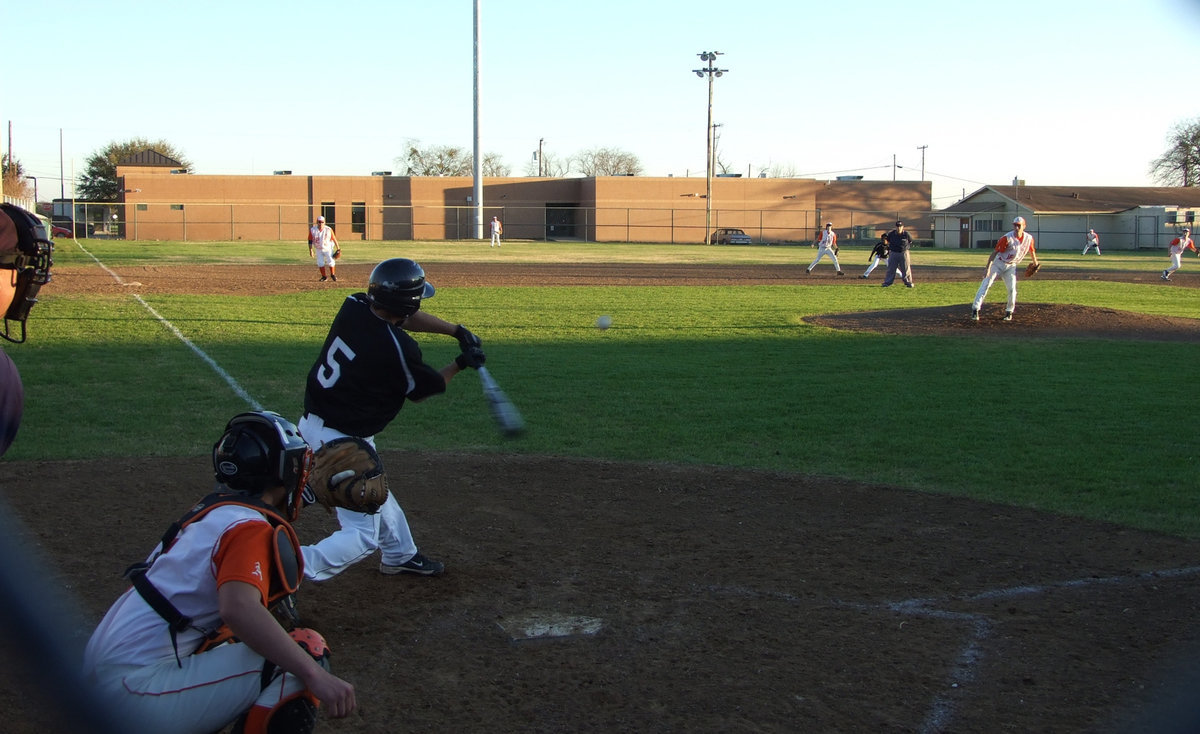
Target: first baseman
point(322, 243)
point(192, 646)
point(1010, 250)
point(368, 368)
point(1176, 248)
point(827, 245)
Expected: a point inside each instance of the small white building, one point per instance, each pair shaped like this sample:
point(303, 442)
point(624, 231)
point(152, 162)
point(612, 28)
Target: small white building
point(1125, 217)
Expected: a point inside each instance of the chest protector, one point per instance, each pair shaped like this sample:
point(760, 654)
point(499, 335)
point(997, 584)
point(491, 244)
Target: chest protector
point(286, 565)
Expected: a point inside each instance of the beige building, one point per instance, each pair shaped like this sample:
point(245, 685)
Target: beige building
point(161, 202)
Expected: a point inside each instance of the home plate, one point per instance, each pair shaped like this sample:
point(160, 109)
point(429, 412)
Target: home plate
point(543, 625)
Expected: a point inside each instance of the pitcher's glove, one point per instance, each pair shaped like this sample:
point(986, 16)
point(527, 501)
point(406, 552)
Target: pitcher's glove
point(337, 254)
point(347, 473)
point(1033, 268)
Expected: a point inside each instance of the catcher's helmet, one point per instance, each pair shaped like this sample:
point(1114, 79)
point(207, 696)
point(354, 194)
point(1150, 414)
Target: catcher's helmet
point(261, 450)
point(25, 248)
point(398, 285)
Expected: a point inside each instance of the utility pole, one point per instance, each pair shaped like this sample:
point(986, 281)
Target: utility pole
point(922, 149)
point(711, 71)
point(477, 173)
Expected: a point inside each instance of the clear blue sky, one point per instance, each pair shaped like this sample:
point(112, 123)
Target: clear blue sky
point(1053, 91)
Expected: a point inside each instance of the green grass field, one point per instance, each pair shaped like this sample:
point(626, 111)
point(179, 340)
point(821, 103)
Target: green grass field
point(711, 375)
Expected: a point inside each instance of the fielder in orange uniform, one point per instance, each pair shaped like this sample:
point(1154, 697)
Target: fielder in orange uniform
point(1176, 248)
point(1010, 250)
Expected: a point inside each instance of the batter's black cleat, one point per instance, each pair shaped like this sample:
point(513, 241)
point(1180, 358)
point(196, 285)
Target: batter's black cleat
point(1007, 316)
point(974, 314)
point(808, 271)
point(418, 564)
point(840, 273)
point(862, 276)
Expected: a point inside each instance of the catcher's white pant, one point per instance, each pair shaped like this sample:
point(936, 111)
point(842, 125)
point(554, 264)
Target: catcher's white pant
point(1006, 272)
point(822, 252)
point(324, 256)
point(871, 268)
point(199, 694)
point(360, 534)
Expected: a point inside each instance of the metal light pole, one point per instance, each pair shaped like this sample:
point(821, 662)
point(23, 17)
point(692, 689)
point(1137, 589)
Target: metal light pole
point(34, 190)
point(710, 71)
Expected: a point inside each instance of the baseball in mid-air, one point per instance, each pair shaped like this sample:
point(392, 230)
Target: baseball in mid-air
point(603, 322)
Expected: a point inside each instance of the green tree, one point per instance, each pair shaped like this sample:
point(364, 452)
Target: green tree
point(15, 183)
point(98, 182)
point(1180, 164)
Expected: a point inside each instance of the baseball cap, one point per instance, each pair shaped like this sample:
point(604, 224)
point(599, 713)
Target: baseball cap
point(1019, 220)
point(321, 219)
point(899, 223)
point(829, 224)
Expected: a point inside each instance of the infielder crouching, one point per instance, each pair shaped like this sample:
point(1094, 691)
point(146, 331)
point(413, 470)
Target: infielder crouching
point(1010, 250)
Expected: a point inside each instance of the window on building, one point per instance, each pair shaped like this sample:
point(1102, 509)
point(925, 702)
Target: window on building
point(177, 207)
point(358, 217)
point(328, 211)
point(143, 207)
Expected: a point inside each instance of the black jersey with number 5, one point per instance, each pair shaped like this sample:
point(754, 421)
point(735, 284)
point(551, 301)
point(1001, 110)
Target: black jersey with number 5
point(366, 370)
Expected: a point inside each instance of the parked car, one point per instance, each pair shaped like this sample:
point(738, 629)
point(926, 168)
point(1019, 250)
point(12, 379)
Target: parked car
point(59, 231)
point(730, 236)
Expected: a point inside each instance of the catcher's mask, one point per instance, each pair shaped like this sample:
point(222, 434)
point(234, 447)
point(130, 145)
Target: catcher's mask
point(261, 450)
point(26, 249)
point(398, 285)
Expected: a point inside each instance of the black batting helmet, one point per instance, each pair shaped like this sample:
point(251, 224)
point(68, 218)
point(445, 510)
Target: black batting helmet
point(398, 285)
point(261, 450)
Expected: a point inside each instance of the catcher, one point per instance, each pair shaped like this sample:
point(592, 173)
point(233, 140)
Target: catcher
point(194, 645)
point(1010, 250)
point(323, 245)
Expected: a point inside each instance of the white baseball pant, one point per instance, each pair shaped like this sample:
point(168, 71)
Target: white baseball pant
point(360, 534)
point(822, 252)
point(1176, 261)
point(1006, 272)
point(199, 694)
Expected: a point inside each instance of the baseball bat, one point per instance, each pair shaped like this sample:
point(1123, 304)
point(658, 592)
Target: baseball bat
point(508, 418)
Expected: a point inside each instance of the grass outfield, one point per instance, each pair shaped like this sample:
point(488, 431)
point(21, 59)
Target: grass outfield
point(710, 375)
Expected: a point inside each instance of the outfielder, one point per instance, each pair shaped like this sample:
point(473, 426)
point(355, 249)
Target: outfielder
point(1176, 248)
point(368, 368)
point(1010, 250)
point(827, 245)
point(323, 244)
point(192, 646)
point(497, 230)
point(1093, 240)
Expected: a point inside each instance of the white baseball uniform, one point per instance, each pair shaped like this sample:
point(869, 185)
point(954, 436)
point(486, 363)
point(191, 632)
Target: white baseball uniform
point(130, 657)
point(1010, 251)
point(1176, 248)
point(321, 238)
point(1093, 240)
point(497, 229)
point(825, 247)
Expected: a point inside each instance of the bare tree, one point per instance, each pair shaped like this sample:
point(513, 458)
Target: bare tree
point(552, 166)
point(1180, 164)
point(447, 160)
point(494, 165)
point(607, 162)
point(15, 183)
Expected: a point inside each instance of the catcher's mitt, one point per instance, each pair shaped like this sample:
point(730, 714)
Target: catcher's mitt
point(347, 473)
point(1033, 268)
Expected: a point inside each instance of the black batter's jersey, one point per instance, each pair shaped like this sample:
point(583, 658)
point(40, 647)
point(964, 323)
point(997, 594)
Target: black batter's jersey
point(366, 370)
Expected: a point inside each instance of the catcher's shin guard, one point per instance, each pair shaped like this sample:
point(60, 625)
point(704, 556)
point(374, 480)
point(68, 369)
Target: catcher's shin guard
point(296, 714)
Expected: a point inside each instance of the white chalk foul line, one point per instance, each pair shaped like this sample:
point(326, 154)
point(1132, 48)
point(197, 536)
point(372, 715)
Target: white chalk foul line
point(943, 709)
point(233, 384)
